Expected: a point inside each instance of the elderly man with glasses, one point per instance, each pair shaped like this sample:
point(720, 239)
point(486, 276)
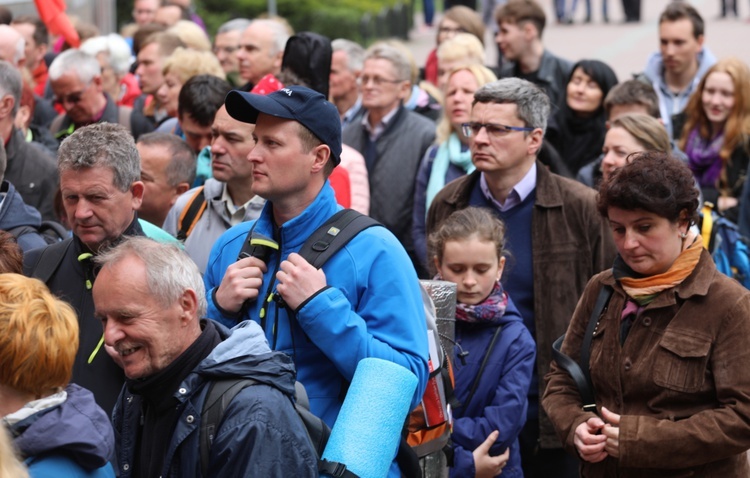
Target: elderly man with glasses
point(76, 80)
point(557, 240)
point(392, 139)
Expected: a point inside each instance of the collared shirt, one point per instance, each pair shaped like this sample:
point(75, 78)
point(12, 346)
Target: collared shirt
point(236, 213)
point(517, 195)
point(379, 128)
point(349, 114)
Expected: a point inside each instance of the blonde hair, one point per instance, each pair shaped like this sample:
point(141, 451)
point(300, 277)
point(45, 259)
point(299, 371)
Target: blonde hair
point(646, 130)
point(483, 75)
point(463, 46)
point(186, 63)
point(10, 465)
point(191, 35)
point(38, 336)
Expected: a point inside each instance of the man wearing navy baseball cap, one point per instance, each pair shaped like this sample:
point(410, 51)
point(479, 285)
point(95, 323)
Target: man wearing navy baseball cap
point(365, 300)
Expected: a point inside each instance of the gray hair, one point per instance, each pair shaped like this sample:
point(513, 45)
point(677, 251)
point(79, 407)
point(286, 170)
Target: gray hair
point(106, 145)
point(279, 34)
point(355, 54)
point(530, 100)
point(84, 65)
point(383, 51)
point(169, 270)
point(11, 84)
point(236, 24)
point(118, 52)
point(181, 167)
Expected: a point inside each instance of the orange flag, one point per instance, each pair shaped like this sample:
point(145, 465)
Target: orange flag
point(52, 13)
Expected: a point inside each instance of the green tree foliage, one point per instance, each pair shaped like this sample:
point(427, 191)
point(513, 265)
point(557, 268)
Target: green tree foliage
point(333, 18)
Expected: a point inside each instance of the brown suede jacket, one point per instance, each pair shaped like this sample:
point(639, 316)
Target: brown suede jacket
point(570, 243)
point(681, 381)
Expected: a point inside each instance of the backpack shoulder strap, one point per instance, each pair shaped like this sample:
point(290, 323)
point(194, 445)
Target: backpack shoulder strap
point(708, 232)
point(220, 395)
point(334, 234)
point(580, 372)
point(192, 211)
point(483, 365)
point(48, 261)
point(56, 228)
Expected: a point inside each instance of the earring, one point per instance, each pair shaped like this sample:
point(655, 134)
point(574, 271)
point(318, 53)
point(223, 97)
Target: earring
point(683, 235)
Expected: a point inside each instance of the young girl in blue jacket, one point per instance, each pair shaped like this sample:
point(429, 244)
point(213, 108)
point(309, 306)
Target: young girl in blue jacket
point(493, 379)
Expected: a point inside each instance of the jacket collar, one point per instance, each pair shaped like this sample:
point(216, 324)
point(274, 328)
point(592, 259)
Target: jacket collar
point(14, 143)
point(696, 284)
point(293, 233)
point(548, 192)
point(546, 70)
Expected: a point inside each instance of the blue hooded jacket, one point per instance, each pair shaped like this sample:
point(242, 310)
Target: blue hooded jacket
point(260, 433)
point(14, 212)
point(500, 401)
point(73, 439)
point(372, 306)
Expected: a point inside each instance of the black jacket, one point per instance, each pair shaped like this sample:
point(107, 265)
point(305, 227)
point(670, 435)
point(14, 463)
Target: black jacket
point(99, 374)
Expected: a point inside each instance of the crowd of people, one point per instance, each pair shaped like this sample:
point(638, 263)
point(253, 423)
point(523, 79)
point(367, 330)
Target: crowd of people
point(158, 188)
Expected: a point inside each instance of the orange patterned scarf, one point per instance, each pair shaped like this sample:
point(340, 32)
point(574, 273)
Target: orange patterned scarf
point(645, 289)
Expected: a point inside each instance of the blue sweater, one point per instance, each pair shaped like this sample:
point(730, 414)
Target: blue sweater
point(518, 277)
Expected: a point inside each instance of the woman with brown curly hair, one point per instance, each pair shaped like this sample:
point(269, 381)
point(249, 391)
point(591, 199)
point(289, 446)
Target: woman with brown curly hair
point(668, 350)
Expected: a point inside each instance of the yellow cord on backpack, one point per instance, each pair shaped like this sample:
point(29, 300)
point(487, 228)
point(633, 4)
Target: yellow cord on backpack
point(96, 350)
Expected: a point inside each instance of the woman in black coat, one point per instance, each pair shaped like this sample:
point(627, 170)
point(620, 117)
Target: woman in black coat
point(577, 130)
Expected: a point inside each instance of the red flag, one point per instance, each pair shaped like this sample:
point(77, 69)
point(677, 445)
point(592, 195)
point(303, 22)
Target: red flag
point(52, 13)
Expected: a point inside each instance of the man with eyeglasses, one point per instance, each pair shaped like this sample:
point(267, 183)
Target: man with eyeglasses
point(557, 238)
point(226, 46)
point(76, 80)
point(392, 139)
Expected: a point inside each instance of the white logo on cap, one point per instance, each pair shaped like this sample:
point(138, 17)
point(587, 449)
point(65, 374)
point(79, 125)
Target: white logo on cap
point(287, 91)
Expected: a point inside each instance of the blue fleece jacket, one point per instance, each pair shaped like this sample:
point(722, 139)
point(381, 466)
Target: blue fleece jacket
point(372, 306)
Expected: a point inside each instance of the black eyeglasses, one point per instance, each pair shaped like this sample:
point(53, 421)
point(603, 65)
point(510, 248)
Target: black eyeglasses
point(493, 129)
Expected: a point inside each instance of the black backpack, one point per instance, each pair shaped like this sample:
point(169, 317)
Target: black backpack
point(50, 231)
point(220, 395)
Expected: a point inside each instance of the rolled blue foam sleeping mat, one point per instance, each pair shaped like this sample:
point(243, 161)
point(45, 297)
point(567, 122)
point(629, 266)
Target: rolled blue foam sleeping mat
point(367, 431)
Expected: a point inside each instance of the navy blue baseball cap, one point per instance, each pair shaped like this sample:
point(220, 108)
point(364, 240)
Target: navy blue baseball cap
point(297, 103)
